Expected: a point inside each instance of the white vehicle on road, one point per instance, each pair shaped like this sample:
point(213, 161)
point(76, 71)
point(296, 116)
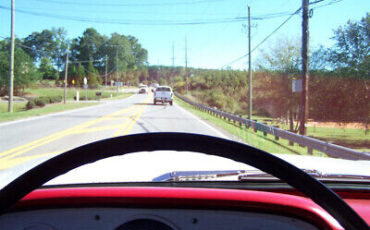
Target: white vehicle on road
point(144, 89)
point(163, 94)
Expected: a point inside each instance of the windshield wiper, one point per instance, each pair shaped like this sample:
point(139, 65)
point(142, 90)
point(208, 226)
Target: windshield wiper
point(245, 175)
point(197, 175)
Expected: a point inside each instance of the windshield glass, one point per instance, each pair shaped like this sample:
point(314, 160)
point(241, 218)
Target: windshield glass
point(284, 77)
point(163, 89)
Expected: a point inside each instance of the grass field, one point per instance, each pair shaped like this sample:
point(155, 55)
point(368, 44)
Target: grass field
point(355, 138)
point(267, 143)
point(20, 112)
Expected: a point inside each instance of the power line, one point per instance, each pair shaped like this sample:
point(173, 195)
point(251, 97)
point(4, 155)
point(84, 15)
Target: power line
point(122, 12)
point(86, 61)
point(130, 22)
point(268, 36)
point(265, 39)
point(75, 3)
point(327, 4)
point(151, 22)
point(28, 47)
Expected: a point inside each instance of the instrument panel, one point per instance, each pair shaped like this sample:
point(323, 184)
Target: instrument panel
point(146, 219)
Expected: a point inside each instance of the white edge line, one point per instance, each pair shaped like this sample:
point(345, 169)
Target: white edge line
point(60, 113)
point(204, 123)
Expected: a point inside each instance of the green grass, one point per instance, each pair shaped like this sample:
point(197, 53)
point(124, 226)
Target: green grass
point(355, 138)
point(20, 107)
point(258, 140)
point(349, 137)
point(20, 112)
point(71, 93)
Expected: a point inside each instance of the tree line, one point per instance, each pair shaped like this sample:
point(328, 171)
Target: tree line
point(41, 55)
point(339, 79)
point(339, 86)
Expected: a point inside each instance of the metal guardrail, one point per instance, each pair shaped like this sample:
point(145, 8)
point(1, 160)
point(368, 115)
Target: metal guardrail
point(331, 150)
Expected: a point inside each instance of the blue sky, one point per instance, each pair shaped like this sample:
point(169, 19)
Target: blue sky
point(209, 45)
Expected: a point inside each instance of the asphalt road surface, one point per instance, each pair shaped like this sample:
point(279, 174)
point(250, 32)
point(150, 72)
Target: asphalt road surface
point(29, 142)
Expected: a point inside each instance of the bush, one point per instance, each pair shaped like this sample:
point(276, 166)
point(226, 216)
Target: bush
point(55, 99)
point(41, 101)
point(30, 104)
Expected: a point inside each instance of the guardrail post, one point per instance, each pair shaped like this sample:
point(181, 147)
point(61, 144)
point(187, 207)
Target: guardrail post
point(309, 150)
point(276, 137)
point(254, 126)
point(264, 131)
point(240, 123)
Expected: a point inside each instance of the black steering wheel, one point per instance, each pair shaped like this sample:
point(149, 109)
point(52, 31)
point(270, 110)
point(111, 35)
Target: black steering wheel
point(264, 161)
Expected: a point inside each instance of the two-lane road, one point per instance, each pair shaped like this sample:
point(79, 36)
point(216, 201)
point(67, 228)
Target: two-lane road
point(25, 144)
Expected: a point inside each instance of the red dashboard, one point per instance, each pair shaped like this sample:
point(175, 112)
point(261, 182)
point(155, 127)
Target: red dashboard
point(290, 205)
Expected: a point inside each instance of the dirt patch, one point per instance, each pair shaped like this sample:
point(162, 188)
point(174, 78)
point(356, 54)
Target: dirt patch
point(352, 125)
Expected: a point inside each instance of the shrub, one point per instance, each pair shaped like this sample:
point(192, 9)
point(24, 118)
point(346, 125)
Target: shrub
point(30, 104)
point(41, 101)
point(51, 99)
point(55, 99)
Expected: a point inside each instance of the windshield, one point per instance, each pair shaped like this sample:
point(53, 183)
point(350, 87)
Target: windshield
point(285, 77)
point(164, 89)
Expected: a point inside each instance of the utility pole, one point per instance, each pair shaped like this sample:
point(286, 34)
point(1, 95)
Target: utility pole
point(173, 64)
point(65, 75)
point(250, 65)
point(106, 69)
point(11, 61)
point(186, 65)
point(305, 76)
point(117, 67)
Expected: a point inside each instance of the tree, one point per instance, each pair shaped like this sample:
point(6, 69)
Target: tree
point(93, 76)
point(284, 60)
point(140, 54)
point(51, 44)
point(119, 52)
point(89, 46)
point(350, 55)
point(25, 71)
point(80, 75)
point(319, 59)
point(47, 70)
point(283, 56)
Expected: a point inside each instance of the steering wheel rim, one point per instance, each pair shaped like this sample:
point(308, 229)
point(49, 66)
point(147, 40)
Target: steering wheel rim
point(314, 189)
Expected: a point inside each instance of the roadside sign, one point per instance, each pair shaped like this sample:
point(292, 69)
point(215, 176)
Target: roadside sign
point(85, 81)
point(118, 83)
point(85, 86)
point(73, 81)
point(297, 85)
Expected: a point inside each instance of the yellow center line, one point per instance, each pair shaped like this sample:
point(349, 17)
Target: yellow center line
point(122, 127)
point(12, 157)
point(133, 122)
point(136, 118)
point(55, 136)
point(42, 141)
point(96, 129)
point(18, 160)
point(130, 123)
